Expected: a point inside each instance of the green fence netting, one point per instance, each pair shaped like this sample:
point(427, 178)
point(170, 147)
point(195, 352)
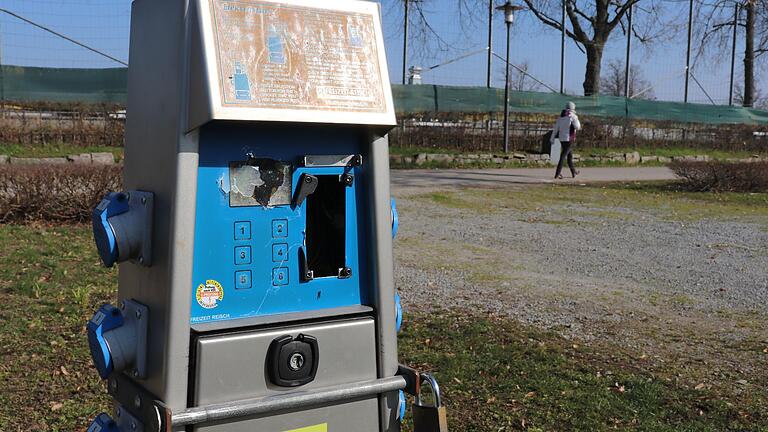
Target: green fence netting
point(110, 85)
point(36, 84)
point(429, 98)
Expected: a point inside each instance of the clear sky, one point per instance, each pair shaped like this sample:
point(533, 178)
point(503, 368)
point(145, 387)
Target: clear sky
point(104, 24)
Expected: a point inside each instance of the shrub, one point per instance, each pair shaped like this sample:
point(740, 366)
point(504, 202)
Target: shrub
point(723, 176)
point(54, 192)
point(82, 124)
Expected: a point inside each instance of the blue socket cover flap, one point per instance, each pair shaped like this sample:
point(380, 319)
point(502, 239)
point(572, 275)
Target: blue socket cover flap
point(103, 423)
point(114, 203)
point(105, 319)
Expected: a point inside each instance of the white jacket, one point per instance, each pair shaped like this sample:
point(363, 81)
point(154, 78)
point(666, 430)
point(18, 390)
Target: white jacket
point(562, 129)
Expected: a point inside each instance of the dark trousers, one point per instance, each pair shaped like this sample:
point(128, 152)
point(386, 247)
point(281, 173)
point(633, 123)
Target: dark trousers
point(566, 152)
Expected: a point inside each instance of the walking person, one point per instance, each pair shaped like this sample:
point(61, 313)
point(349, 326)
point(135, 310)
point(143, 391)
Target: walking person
point(565, 130)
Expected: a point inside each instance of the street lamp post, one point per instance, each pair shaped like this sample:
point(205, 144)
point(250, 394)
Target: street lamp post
point(405, 41)
point(509, 17)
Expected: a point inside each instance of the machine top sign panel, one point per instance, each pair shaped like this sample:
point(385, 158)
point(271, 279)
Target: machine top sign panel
point(295, 60)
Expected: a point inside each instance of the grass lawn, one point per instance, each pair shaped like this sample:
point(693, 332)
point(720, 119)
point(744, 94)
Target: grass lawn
point(55, 150)
point(661, 198)
point(496, 374)
point(51, 281)
point(539, 381)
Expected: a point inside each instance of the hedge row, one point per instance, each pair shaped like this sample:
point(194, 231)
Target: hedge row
point(723, 176)
point(54, 193)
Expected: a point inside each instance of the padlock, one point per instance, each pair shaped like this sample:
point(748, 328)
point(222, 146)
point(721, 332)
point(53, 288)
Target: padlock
point(429, 418)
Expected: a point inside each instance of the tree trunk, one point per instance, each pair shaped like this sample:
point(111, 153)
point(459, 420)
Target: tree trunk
point(594, 62)
point(749, 56)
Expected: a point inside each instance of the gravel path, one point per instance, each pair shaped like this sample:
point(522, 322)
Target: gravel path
point(630, 275)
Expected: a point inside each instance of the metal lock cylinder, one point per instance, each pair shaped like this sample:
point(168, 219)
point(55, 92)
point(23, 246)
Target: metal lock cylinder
point(292, 362)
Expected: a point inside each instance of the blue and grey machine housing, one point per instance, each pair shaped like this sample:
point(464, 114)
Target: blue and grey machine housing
point(254, 238)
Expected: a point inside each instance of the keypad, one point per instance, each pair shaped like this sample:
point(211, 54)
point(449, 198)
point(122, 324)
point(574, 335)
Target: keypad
point(242, 255)
point(280, 276)
point(243, 279)
point(242, 230)
point(279, 228)
point(279, 252)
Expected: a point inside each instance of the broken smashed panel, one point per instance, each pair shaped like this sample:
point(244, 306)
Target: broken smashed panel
point(259, 182)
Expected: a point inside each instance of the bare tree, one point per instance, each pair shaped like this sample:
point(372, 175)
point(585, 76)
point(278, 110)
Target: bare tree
point(750, 8)
point(760, 101)
point(718, 20)
point(519, 79)
point(426, 39)
point(612, 83)
point(593, 22)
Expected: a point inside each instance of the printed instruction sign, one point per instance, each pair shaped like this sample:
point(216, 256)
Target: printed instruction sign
point(281, 56)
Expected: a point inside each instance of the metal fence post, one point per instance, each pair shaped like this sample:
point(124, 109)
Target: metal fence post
point(733, 53)
point(629, 53)
point(490, 43)
point(506, 97)
point(405, 42)
point(2, 71)
point(688, 52)
point(562, 50)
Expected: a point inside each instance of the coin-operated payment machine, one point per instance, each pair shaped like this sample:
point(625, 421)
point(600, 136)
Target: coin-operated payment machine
point(255, 234)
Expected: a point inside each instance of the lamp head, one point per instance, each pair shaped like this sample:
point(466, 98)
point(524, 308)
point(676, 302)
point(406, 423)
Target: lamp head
point(509, 11)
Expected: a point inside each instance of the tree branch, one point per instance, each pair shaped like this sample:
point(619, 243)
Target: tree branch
point(577, 29)
point(441, 43)
point(620, 12)
point(642, 39)
point(585, 16)
point(551, 22)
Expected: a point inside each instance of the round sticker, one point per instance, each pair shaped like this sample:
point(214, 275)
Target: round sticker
point(209, 294)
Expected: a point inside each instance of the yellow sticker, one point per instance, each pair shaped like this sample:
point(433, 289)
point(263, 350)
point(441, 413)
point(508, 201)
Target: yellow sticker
point(209, 294)
point(316, 428)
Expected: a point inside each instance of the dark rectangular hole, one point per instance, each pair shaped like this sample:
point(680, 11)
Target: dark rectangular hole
point(326, 227)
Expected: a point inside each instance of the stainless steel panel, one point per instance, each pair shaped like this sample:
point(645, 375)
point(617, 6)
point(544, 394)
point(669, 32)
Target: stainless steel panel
point(359, 416)
point(233, 366)
point(161, 159)
point(282, 318)
point(328, 160)
point(376, 173)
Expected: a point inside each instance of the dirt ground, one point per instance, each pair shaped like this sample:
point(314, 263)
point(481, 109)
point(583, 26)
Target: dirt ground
point(679, 280)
